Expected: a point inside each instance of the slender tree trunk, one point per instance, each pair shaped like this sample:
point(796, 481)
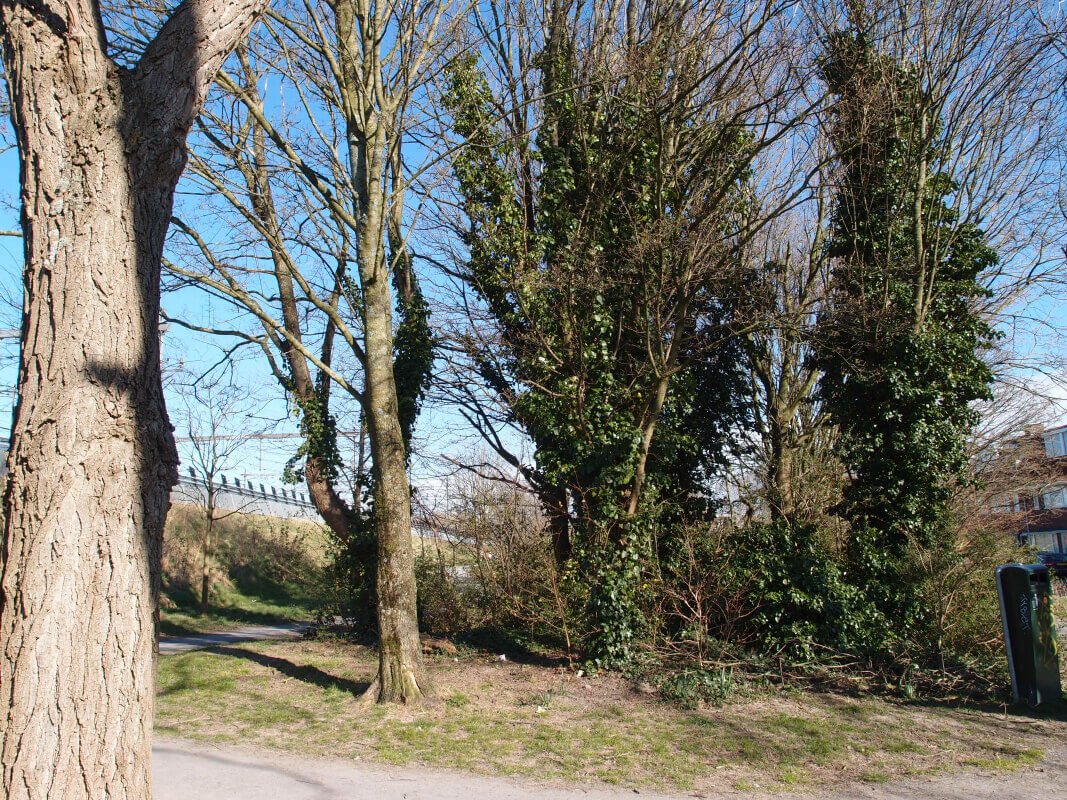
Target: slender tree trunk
point(92, 456)
point(918, 230)
point(321, 490)
point(650, 418)
point(205, 576)
point(401, 673)
point(648, 429)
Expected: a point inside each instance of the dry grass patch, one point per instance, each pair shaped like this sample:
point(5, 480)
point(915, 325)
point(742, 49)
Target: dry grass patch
point(507, 718)
point(444, 551)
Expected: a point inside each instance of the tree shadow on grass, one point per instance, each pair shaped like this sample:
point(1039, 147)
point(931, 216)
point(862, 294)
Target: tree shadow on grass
point(307, 674)
point(518, 646)
point(1055, 711)
point(249, 616)
point(170, 628)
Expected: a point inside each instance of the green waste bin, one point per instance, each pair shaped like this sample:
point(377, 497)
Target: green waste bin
point(1029, 632)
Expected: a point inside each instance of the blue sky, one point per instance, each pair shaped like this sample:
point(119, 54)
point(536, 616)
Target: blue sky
point(440, 432)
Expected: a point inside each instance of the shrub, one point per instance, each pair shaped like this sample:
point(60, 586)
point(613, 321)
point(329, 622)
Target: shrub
point(442, 606)
point(803, 608)
point(696, 687)
point(491, 570)
point(776, 587)
point(347, 589)
point(698, 602)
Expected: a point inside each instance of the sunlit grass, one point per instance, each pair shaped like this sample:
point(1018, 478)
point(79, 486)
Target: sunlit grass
point(491, 718)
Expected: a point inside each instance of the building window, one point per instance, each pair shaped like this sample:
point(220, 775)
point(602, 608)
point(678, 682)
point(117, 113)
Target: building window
point(1045, 542)
point(1055, 446)
point(1054, 498)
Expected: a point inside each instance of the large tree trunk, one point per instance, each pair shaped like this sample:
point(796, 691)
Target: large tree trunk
point(92, 456)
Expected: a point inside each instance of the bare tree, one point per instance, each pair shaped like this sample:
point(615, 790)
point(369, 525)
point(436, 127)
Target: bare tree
point(312, 194)
point(215, 417)
point(787, 290)
point(92, 460)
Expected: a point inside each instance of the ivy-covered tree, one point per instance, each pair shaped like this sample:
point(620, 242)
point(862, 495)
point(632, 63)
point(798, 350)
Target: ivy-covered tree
point(602, 251)
point(901, 343)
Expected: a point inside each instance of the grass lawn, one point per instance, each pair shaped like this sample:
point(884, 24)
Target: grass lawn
point(232, 610)
point(502, 717)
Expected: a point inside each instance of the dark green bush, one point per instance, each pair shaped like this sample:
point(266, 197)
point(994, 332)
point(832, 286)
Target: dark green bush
point(803, 607)
point(776, 588)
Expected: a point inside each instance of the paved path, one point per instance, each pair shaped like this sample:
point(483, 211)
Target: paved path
point(182, 770)
point(185, 770)
point(169, 645)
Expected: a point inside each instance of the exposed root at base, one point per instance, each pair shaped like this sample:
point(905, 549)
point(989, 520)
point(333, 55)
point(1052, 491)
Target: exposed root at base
point(370, 696)
point(411, 692)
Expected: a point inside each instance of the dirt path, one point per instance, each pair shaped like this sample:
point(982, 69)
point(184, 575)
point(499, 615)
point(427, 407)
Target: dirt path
point(207, 772)
point(170, 645)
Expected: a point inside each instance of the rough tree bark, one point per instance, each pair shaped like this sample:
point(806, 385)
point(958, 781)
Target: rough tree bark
point(92, 456)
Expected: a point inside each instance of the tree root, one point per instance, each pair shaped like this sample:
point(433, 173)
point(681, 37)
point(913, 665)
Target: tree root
point(409, 691)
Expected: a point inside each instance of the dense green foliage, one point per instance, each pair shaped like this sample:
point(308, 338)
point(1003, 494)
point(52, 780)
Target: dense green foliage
point(583, 248)
point(691, 688)
point(413, 346)
point(803, 608)
point(901, 344)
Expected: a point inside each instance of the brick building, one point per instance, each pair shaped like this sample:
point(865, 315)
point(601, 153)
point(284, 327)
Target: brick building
point(1031, 500)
